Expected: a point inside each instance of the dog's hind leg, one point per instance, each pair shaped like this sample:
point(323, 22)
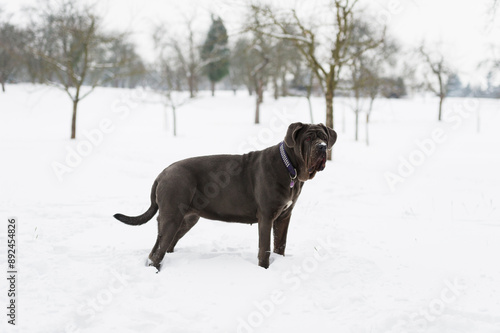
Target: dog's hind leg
point(168, 226)
point(187, 224)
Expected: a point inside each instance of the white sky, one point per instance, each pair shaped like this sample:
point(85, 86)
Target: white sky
point(463, 29)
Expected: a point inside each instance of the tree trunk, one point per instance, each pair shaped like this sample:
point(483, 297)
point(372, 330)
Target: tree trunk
point(310, 108)
point(174, 113)
point(257, 111)
point(276, 88)
point(356, 112)
point(308, 94)
point(356, 124)
point(368, 121)
point(284, 88)
point(3, 86)
point(212, 86)
point(73, 119)
point(329, 110)
point(165, 114)
point(441, 99)
point(191, 86)
point(259, 98)
point(329, 95)
point(366, 129)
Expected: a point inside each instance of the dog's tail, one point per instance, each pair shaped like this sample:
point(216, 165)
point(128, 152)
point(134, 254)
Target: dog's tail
point(141, 219)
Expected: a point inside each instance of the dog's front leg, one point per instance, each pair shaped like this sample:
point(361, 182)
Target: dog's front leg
point(265, 226)
point(280, 229)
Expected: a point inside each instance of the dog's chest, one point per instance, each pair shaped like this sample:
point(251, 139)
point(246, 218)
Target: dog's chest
point(294, 196)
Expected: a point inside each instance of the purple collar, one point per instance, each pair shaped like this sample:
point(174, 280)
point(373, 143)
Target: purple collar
point(288, 164)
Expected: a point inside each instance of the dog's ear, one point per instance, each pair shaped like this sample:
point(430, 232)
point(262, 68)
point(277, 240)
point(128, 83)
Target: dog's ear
point(332, 136)
point(291, 134)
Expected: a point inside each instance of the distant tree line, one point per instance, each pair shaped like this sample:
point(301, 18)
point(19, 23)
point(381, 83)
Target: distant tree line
point(342, 52)
point(65, 46)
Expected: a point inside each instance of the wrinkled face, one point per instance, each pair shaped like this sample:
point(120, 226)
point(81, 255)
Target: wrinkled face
point(310, 144)
point(314, 148)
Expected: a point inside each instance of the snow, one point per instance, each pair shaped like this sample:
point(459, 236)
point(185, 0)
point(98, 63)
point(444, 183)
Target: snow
point(363, 255)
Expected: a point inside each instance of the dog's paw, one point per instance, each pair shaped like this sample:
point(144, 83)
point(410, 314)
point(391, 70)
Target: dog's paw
point(150, 263)
point(264, 263)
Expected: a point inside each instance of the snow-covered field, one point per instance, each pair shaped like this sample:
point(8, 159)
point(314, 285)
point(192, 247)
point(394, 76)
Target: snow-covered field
point(400, 236)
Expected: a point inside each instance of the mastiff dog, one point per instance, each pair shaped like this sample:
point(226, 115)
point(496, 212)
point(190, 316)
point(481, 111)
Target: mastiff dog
point(259, 187)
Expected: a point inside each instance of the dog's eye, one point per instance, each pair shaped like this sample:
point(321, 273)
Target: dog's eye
point(308, 139)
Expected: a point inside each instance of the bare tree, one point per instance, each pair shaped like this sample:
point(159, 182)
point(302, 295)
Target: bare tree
point(258, 74)
point(244, 60)
point(309, 89)
point(187, 52)
point(131, 70)
point(69, 40)
point(359, 73)
point(168, 75)
point(283, 57)
point(11, 50)
point(358, 78)
point(441, 72)
point(494, 8)
point(367, 71)
point(327, 64)
point(240, 68)
point(492, 66)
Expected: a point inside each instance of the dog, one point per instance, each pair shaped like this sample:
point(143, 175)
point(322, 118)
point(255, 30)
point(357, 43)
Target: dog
point(258, 187)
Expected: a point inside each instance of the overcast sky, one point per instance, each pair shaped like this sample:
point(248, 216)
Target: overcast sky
point(464, 29)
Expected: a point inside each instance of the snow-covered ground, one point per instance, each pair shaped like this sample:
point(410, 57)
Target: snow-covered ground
point(400, 236)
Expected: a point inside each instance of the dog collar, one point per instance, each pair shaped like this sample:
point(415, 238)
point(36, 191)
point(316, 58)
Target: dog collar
point(288, 164)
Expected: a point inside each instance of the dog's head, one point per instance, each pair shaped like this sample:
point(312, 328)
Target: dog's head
point(309, 143)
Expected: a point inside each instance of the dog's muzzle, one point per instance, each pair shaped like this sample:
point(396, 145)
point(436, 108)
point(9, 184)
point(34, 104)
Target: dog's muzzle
point(318, 160)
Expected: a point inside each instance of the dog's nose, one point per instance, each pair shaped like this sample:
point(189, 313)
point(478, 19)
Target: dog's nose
point(322, 146)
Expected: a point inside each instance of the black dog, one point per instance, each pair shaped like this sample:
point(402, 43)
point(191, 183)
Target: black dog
point(261, 186)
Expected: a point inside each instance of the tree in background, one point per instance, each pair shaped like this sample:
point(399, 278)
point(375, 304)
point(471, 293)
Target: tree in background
point(187, 52)
point(69, 41)
point(167, 75)
point(441, 72)
point(284, 59)
point(334, 34)
point(131, 70)
point(454, 86)
point(11, 50)
point(309, 88)
point(216, 53)
point(491, 65)
point(259, 53)
point(164, 80)
point(259, 75)
point(34, 68)
point(242, 64)
point(392, 87)
point(367, 70)
point(361, 76)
